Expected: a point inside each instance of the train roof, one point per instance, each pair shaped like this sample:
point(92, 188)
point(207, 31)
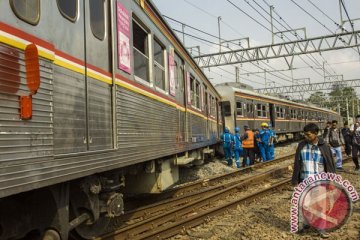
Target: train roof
point(226, 88)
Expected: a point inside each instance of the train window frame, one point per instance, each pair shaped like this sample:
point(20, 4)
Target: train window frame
point(26, 19)
point(226, 107)
point(64, 14)
point(212, 106)
point(264, 111)
point(280, 112)
point(158, 65)
point(102, 35)
point(180, 70)
point(197, 93)
point(147, 51)
point(192, 89)
point(249, 107)
point(239, 109)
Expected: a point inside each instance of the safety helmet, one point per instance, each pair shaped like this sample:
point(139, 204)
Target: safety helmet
point(226, 129)
point(264, 124)
point(246, 127)
point(237, 129)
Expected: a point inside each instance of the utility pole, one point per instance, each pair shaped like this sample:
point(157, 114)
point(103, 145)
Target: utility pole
point(341, 17)
point(237, 74)
point(358, 107)
point(183, 33)
point(271, 22)
point(219, 19)
point(338, 107)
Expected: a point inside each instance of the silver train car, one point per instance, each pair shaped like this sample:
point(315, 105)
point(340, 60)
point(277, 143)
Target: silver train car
point(97, 98)
point(241, 106)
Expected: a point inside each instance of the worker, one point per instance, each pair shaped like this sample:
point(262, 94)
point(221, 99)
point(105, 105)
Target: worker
point(264, 142)
point(237, 146)
point(227, 138)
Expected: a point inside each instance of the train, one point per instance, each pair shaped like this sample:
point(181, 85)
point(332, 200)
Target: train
point(241, 105)
point(100, 100)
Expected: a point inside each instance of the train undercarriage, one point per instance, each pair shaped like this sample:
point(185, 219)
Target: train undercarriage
point(84, 208)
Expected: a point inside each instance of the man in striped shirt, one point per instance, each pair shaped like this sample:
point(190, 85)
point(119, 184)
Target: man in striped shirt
point(313, 156)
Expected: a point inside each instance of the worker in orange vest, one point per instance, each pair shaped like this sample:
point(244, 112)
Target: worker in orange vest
point(248, 146)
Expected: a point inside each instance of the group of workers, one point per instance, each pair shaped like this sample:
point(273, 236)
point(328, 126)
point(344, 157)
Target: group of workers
point(251, 145)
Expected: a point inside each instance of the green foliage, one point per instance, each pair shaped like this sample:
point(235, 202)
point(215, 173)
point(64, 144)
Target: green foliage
point(340, 97)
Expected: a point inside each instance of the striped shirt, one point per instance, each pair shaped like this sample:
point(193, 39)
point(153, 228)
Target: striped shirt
point(312, 159)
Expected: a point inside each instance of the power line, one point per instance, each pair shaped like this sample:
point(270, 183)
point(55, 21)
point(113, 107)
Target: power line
point(248, 15)
point(312, 16)
point(314, 60)
point(233, 43)
point(207, 41)
point(319, 9)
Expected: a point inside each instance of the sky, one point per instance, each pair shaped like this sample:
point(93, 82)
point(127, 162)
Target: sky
point(251, 19)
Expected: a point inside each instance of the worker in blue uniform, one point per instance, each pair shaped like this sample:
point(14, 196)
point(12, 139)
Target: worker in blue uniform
point(237, 146)
point(264, 142)
point(272, 141)
point(227, 140)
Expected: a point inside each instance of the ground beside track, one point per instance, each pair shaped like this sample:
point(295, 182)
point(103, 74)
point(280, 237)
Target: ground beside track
point(269, 218)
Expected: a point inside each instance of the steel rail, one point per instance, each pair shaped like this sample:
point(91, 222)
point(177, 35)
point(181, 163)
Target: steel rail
point(152, 225)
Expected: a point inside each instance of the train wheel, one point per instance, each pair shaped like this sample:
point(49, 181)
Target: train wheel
point(88, 230)
point(51, 234)
point(88, 221)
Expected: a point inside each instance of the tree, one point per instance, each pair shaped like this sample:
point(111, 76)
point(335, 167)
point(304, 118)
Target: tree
point(318, 98)
point(340, 97)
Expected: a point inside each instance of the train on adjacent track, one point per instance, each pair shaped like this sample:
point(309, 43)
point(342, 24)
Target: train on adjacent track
point(97, 99)
point(243, 106)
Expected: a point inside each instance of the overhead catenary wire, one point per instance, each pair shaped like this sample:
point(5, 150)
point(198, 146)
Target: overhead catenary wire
point(207, 41)
point(311, 57)
point(212, 15)
point(316, 62)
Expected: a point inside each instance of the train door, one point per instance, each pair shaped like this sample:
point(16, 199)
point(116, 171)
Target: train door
point(97, 39)
point(206, 110)
point(272, 114)
point(69, 78)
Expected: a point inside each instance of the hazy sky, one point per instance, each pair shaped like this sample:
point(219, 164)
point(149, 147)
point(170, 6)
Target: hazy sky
point(319, 17)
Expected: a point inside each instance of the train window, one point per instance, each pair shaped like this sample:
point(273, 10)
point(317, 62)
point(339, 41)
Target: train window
point(192, 92)
point(68, 9)
point(159, 65)
point(206, 98)
point(140, 52)
point(212, 106)
point(226, 108)
point(258, 110)
point(280, 112)
point(239, 109)
point(179, 72)
point(97, 18)
point(264, 111)
point(28, 11)
point(197, 94)
point(249, 108)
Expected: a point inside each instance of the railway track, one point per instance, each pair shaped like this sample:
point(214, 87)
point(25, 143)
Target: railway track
point(194, 203)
